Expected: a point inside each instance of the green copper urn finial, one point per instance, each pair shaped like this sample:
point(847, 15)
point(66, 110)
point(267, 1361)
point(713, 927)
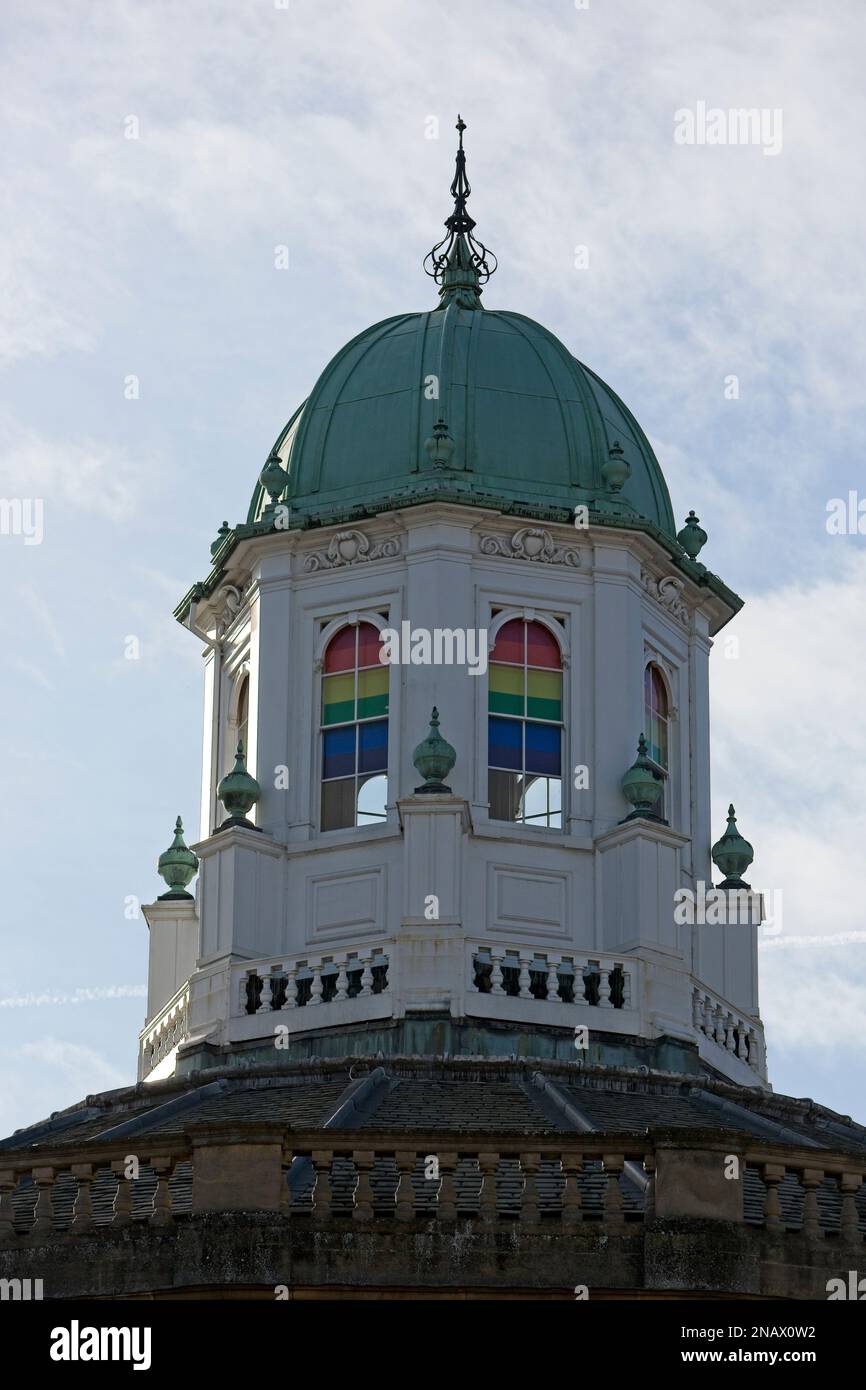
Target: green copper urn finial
point(616, 469)
point(238, 792)
point(178, 866)
point(732, 855)
point(440, 446)
point(642, 786)
point(224, 530)
point(434, 759)
point(459, 263)
point(693, 537)
point(274, 478)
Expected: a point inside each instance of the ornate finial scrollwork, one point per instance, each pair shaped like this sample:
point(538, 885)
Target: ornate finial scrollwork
point(460, 263)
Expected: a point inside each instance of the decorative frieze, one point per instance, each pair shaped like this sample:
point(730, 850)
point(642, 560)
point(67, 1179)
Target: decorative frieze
point(530, 543)
point(351, 548)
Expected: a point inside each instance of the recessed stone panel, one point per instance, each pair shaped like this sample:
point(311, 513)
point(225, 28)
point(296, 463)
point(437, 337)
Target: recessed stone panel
point(342, 906)
point(526, 899)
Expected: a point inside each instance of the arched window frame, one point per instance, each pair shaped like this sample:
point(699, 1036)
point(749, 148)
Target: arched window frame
point(558, 629)
point(240, 681)
point(653, 664)
point(326, 634)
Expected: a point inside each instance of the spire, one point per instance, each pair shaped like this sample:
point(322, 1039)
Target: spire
point(459, 264)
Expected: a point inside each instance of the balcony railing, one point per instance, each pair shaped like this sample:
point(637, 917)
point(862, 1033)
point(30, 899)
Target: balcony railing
point(605, 1181)
point(164, 1032)
point(717, 1021)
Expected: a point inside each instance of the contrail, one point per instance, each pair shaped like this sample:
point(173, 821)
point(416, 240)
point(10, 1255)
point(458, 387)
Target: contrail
point(80, 996)
point(841, 938)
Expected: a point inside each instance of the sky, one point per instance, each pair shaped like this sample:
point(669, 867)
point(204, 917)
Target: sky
point(156, 155)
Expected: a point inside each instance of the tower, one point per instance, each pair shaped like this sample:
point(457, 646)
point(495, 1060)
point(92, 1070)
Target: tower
point(454, 1009)
point(463, 515)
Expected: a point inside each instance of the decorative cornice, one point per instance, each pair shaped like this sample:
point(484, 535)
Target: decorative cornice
point(351, 548)
point(667, 591)
point(530, 543)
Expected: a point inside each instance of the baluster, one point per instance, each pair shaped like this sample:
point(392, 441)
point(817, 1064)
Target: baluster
point(123, 1197)
point(488, 1163)
point(572, 1202)
point(754, 1051)
point(707, 1025)
point(8, 1183)
point(475, 964)
point(850, 1184)
point(342, 979)
point(162, 1214)
point(243, 992)
point(626, 989)
point(742, 1050)
point(580, 985)
point(604, 988)
point(363, 1198)
point(773, 1174)
point(496, 977)
point(266, 998)
point(613, 1166)
point(524, 978)
point(530, 1211)
point(82, 1215)
point(553, 979)
point(730, 1040)
point(404, 1197)
point(291, 999)
point(719, 1029)
point(697, 1012)
point(44, 1180)
point(366, 975)
point(649, 1203)
point(811, 1180)
point(323, 1193)
point(316, 986)
point(446, 1205)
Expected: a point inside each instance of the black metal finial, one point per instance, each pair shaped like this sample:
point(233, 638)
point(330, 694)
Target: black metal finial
point(459, 263)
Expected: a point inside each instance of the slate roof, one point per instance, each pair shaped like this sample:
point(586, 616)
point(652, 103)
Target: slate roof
point(460, 1094)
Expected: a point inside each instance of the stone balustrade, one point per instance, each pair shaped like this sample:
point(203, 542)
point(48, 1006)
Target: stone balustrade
point(164, 1032)
point(552, 977)
point(297, 982)
point(717, 1021)
point(102, 1186)
point(612, 1180)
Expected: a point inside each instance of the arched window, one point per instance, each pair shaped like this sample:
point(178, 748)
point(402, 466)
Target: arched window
point(657, 728)
point(243, 715)
point(525, 726)
point(354, 729)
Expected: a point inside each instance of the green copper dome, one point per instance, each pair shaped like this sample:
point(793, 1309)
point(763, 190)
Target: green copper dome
point(529, 423)
point(469, 404)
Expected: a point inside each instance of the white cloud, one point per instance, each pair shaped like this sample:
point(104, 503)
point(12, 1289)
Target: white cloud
point(86, 475)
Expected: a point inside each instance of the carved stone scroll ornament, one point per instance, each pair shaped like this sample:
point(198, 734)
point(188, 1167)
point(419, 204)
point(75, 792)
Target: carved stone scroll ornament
point(233, 600)
point(667, 591)
point(350, 548)
point(530, 543)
